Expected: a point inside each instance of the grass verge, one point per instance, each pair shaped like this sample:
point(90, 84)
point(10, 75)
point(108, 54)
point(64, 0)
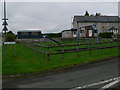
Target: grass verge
point(17, 59)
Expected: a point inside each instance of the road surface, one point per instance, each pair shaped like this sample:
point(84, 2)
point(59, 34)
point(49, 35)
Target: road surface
point(97, 75)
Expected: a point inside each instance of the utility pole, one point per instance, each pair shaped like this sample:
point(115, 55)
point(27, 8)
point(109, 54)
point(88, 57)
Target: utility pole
point(5, 24)
point(5, 29)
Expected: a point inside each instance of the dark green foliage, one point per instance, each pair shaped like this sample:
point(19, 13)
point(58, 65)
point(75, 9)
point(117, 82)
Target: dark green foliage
point(106, 34)
point(10, 32)
point(53, 35)
point(10, 36)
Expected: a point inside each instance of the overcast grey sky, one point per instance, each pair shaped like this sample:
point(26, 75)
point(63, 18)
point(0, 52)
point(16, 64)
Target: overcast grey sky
point(52, 16)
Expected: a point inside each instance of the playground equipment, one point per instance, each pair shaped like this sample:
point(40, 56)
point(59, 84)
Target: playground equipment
point(97, 37)
point(87, 34)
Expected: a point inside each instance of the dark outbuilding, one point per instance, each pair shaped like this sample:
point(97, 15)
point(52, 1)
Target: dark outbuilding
point(29, 34)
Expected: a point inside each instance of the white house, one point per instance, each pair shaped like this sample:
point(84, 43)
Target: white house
point(87, 31)
point(85, 23)
point(70, 33)
point(114, 30)
point(103, 23)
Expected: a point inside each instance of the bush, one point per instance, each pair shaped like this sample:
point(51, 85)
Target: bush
point(106, 34)
point(10, 37)
point(53, 35)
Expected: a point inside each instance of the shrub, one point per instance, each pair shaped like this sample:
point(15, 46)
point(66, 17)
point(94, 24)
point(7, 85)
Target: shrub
point(106, 34)
point(10, 37)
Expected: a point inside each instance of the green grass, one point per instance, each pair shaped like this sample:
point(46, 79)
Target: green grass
point(74, 41)
point(53, 49)
point(27, 61)
point(0, 60)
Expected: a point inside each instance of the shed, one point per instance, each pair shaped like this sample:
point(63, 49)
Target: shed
point(29, 34)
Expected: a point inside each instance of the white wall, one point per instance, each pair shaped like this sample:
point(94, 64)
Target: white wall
point(67, 34)
point(107, 26)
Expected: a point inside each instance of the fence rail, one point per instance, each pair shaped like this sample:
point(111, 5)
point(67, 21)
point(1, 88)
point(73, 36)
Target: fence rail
point(62, 51)
point(52, 46)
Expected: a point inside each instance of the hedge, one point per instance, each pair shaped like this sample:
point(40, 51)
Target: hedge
point(106, 34)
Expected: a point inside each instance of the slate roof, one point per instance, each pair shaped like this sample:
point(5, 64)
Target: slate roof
point(29, 31)
point(97, 18)
point(89, 27)
point(113, 28)
point(70, 30)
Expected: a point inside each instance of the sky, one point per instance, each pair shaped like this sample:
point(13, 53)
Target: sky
point(52, 17)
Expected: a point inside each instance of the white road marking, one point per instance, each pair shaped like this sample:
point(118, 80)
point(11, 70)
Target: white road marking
point(110, 84)
point(95, 84)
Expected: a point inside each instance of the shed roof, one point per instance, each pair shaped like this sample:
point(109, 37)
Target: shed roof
point(97, 18)
point(29, 31)
point(70, 30)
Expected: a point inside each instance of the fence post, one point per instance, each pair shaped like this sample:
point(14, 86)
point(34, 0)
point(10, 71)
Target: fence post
point(15, 49)
point(111, 45)
point(62, 52)
point(90, 49)
point(77, 50)
point(100, 43)
point(48, 54)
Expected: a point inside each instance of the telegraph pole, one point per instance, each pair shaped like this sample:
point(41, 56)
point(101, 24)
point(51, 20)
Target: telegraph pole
point(5, 24)
point(5, 29)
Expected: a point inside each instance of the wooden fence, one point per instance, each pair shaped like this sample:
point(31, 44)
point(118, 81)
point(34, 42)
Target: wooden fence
point(62, 51)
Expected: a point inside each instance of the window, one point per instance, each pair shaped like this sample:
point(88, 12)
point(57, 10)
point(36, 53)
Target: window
point(81, 31)
point(95, 31)
point(34, 33)
point(103, 26)
point(24, 33)
point(67, 32)
point(74, 32)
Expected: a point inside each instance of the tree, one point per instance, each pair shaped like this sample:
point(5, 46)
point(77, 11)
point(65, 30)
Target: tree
point(10, 32)
point(98, 14)
point(92, 15)
point(10, 36)
point(86, 13)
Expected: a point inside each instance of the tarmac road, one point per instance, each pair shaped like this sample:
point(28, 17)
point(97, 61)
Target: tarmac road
point(76, 77)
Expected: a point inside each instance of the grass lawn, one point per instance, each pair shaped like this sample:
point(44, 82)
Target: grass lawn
point(0, 60)
point(27, 61)
point(54, 49)
point(73, 41)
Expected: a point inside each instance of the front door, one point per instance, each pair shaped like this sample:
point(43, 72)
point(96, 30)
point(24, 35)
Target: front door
point(90, 33)
point(87, 33)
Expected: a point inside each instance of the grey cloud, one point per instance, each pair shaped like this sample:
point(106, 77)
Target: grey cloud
point(52, 17)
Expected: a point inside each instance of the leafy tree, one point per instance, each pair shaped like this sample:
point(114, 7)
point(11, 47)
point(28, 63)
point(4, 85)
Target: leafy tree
point(98, 14)
point(10, 32)
point(10, 36)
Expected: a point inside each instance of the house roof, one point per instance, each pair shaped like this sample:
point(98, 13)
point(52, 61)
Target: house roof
point(89, 27)
point(29, 31)
point(70, 30)
point(113, 28)
point(97, 18)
